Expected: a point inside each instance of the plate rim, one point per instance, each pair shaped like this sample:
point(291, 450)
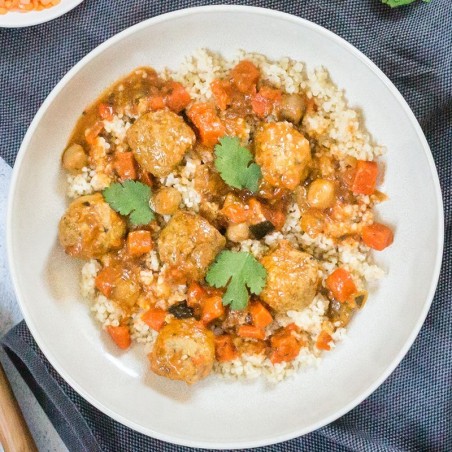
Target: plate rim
point(439, 239)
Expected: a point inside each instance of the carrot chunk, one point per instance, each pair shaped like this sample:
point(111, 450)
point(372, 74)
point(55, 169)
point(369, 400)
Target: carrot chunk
point(154, 318)
point(260, 315)
point(156, 102)
point(195, 294)
point(178, 99)
point(92, 133)
point(365, 179)
point(121, 335)
point(105, 111)
point(252, 332)
point(285, 346)
point(224, 348)
point(323, 341)
point(222, 93)
point(106, 279)
point(139, 242)
point(377, 236)
point(235, 212)
point(146, 178)
point(341, 285)
point(125, 165)
point(264, 101)
point(206, 120)
point(245, 76)
point(212, 309)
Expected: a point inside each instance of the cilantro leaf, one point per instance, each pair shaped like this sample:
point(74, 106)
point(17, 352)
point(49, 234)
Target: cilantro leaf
point(396, 3)
point(234, 164)
point(241, 272)
point(130, 198)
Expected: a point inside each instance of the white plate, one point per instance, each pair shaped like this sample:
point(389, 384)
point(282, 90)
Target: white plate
point(17, 20)
point(214, 413)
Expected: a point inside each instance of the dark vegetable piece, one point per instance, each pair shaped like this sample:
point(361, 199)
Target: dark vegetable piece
point(181, 310)
point(260, 230)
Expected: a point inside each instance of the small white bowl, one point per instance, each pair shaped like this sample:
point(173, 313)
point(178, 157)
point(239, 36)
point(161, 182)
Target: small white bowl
point(215, 413)
point(18, 20)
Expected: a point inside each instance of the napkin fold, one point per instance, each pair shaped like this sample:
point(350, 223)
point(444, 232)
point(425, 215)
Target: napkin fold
point(412, 410)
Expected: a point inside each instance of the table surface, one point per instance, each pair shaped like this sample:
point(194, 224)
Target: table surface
point(43, 432)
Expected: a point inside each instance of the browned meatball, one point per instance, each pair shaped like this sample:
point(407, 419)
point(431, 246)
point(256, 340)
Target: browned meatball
point(90, 228)
point(292, 278)
point(190, 243)
point(184, 350)
point(120, 282)
point(159, 141)
point(283, 153)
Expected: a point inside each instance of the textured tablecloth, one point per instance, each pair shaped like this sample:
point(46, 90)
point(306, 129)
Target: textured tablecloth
point(412, 410)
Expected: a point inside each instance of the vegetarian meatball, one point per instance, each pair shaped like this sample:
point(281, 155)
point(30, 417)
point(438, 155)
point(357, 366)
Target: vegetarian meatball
point(190, 243)
point(90, 228)
point(184, 350)
point(119, 281)
point(283, 153)
point(292, 278)
point(159, 141)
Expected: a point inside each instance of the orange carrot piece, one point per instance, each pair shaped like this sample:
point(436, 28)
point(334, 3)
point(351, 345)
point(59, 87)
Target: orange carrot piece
point(206, 120)
point(245, 76)
point(125, 165)
point(275, 215)
point(139, 242)
point(377, 236)
point(106, 279)
point(251, 332)
point(264, 101)
point(212, 309)
point(121, 335)
point(260, 315)
point(195, 294)
point(222, 93)
point(154, 318)
point(236, 212)
point(285, 346)
point(323, 341)
point(365, 179)
point(156, 102)
point(93, 132)
point(341, 285)
point(105, 111)
point(178, 99)
point(224, 348)
point(145, 177)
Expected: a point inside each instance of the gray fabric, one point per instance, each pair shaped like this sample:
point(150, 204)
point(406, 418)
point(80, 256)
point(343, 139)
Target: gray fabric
point(412, 410)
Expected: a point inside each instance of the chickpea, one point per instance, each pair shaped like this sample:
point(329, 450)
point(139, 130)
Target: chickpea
point(238, 232)
point(293, 107)
point(321, 194)
point(166, 201)
point(313, 222)
point(74, 158)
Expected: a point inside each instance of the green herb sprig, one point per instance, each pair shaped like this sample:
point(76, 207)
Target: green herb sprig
point(130, 198)
point(397, 3)
point(239, 272)
point(234, 163)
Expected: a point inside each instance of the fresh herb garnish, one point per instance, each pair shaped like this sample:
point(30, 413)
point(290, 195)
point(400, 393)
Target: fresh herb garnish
point(238, 271)
point(234, 164)
point(130, 198)
point(396, 3)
